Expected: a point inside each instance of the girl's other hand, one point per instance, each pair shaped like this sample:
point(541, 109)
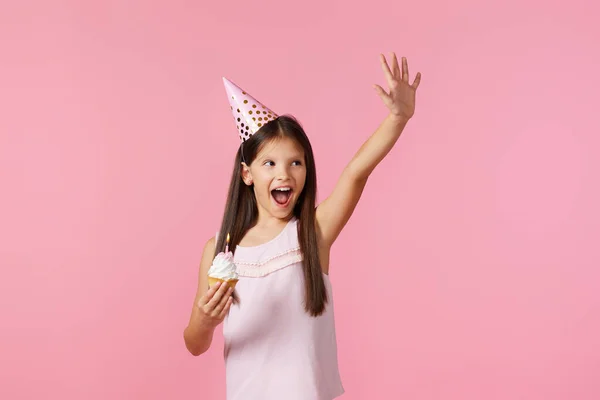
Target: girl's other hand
point(215, 304)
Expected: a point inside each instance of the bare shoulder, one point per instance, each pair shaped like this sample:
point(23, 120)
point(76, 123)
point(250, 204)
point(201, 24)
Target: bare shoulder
point(210, 244)
point(208, 255)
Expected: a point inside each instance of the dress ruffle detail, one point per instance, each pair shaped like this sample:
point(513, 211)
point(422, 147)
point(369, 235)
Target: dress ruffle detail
point(266, 267)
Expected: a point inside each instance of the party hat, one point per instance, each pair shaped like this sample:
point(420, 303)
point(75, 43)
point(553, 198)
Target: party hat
point(250, 114)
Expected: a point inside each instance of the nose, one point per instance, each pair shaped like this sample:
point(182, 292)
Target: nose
point(283, 172)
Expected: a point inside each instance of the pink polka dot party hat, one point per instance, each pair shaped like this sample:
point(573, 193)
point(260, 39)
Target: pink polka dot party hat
point(249, 114)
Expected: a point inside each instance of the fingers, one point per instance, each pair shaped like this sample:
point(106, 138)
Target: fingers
point(395, 67)
point(226, 308)
point(417, 81)
point(383, 94)
point(208, 295)
point(212, 290)
point(404, 69)
point(216, 298)
point(386, 70)
point(219, 308)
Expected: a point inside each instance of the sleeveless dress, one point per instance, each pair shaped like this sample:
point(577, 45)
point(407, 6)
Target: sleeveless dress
point(274, 350)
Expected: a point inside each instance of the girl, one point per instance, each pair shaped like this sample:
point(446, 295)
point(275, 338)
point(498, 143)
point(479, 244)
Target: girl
point(280, 336)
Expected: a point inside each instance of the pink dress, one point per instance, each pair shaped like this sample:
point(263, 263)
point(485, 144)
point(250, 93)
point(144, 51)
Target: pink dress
point(274, 350)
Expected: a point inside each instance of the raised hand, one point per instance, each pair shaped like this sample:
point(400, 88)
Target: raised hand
point(401, 97)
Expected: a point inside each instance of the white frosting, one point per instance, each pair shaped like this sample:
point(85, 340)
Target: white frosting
point(223, 267)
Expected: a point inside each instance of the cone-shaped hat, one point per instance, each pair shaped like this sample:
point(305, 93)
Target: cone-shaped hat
point(249, 114)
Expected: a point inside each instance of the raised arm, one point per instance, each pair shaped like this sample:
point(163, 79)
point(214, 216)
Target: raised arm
point(335, 211)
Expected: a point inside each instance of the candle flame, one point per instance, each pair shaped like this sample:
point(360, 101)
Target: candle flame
point(228, 238)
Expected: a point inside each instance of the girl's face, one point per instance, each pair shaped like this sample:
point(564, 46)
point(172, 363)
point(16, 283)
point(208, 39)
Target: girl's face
point(278, 173)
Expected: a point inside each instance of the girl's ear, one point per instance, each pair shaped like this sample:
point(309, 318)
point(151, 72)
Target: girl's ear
point(246, 175)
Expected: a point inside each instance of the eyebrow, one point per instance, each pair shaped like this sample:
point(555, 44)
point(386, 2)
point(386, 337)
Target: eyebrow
point(296, 156)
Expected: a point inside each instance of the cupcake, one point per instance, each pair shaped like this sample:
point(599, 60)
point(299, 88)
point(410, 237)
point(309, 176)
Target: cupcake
point(223, 269)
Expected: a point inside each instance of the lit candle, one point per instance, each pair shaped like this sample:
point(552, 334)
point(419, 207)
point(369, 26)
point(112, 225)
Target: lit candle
point(227, 244)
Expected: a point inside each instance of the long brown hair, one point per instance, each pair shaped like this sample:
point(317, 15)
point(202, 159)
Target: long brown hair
point(241, 211)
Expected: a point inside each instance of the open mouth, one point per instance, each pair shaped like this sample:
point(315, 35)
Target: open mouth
point(282, 195)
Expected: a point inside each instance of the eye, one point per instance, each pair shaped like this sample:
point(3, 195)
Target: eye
point(297, 162)
point(269, 163)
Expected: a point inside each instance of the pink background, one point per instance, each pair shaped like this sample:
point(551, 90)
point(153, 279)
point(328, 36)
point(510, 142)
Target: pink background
point(469, 271)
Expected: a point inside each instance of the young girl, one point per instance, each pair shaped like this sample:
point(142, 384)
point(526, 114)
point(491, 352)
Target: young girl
point(279, 331)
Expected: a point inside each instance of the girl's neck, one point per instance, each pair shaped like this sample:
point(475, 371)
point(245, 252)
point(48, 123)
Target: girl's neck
point(271, 222)
point(267, 221)
point(265, 231)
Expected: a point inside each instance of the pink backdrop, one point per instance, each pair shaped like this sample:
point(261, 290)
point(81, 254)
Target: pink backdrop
point(469, 271)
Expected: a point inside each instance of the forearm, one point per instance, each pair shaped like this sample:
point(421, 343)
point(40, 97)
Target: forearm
point(376, 147)
point(198, 337)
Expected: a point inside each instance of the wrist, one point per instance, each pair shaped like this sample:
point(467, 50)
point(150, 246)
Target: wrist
point(398, 119)
point(207, 326)
point(202, 326)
